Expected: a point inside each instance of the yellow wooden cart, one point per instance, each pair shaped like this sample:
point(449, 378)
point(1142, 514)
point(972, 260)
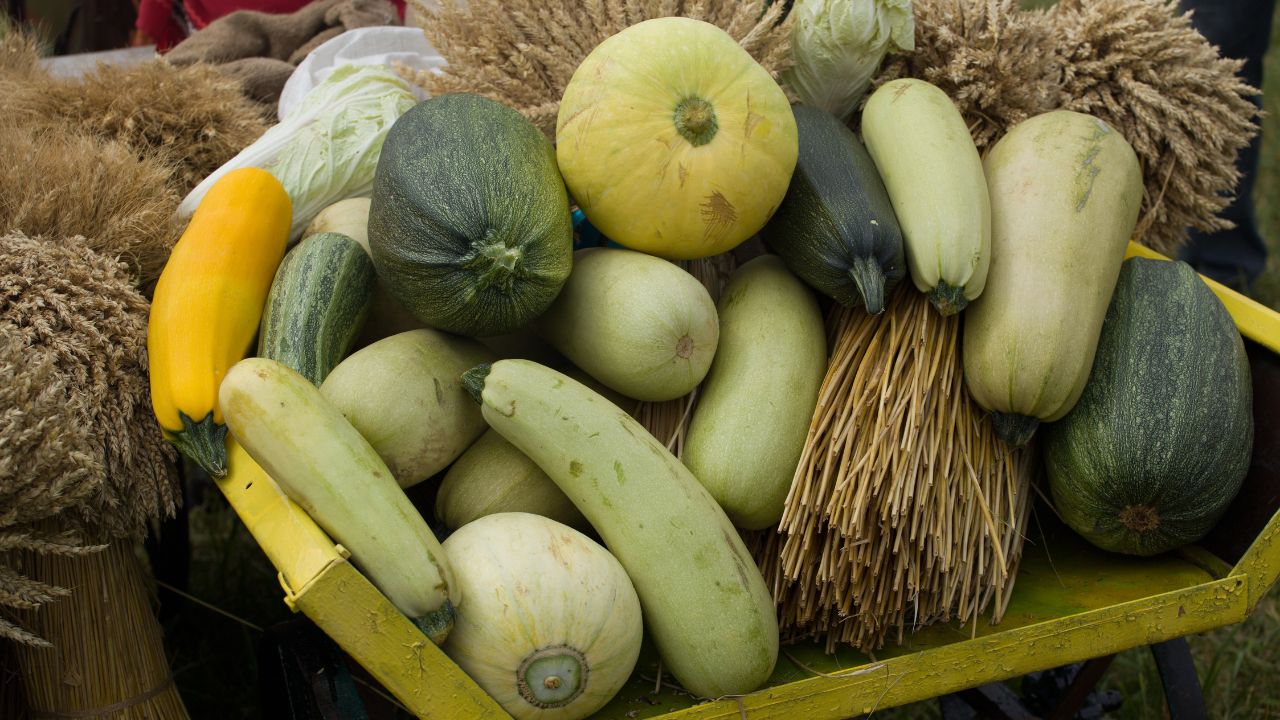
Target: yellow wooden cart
point(1071, 602)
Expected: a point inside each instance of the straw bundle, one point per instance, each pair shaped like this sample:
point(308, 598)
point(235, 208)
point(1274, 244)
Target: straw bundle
point(1137, 64)
point(78, 442)
point(61, 183)
point(905, 508)
point(191, 119)
point(108, 659)
point(523, 52)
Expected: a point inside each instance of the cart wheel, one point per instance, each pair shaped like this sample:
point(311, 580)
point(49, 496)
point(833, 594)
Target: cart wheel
point(302, 675)
point(1182, 689)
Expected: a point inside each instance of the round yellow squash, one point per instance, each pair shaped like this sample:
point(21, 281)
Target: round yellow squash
point(673, 141)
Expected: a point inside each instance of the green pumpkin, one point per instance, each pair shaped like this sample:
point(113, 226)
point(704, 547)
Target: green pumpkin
point(469, 225)
point(1160, 440)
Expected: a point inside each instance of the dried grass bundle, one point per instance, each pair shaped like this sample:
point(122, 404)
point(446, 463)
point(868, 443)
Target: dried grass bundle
point(59, 183)
point(108, 659)
point(523, 52)
point(1142, 67)
point(905, 508)
point(193, 119)
point(79, 443)
point(1138, 64)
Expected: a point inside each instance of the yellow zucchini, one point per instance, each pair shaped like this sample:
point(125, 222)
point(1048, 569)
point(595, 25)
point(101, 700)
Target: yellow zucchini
point(207, 306)
point(326, 467)
point(929, 165)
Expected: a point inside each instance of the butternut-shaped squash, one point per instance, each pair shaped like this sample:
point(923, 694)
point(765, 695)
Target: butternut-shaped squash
point(207, 305)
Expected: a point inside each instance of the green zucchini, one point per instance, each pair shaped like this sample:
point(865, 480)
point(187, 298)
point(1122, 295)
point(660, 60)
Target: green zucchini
point(1161, 439)
point(1065, 190)
point(469, 224)
point(705, 602)
point(324, 465)
point(747, 433)
point(317, 305)
point(637, 323)
point(836, 229)
point(405, 396)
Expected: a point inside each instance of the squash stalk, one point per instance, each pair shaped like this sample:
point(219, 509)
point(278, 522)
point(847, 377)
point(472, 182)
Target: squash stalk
point(695, 120)
point(473, 381)
point(205, 442)
point(948, 299)
point(437, 623)
point(1015, 430)
point(869, 279)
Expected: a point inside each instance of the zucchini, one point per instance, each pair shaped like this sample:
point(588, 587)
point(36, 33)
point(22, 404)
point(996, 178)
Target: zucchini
point(317, 305)
point(323, 464)
point(404, 394)
point(1065, 189)
point(747, 433)
point(705, 602)
point(492, 476)
point(639, 324)
point(933, 174)
point(836, 229)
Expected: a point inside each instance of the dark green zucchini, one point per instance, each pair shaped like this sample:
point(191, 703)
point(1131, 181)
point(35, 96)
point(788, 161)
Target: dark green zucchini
point(317, 305)
point(836, 229)
point(1160, 441)
point(469, 225)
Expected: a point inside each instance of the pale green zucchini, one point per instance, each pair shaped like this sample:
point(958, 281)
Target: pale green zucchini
point(323, 464)
point(637, 323)
point(705, 602)
point(1065, 190)
point(491, 477)
point(317, 305)
point(931, 168)
point(404, 394)
point(753, 413)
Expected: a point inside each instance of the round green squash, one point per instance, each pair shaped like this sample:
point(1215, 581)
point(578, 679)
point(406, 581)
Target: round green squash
point(469, 225)
point(1160, 440)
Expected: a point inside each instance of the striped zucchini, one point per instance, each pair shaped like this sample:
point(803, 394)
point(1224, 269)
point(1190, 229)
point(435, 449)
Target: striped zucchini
point(324, 465)
point(705, 602)
point(929, 165)
point(317, 305)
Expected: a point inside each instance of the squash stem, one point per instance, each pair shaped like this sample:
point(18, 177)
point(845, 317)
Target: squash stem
point(552, 677)
point(473, 380)
point(869, 279)
point(1015, 430)
point(204, 442)
point(695, 120)
point(437, 624)
point(948, 299)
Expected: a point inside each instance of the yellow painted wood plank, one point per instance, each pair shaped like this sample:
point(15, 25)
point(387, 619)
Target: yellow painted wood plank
point(1256, 321)
point(363, 622)
point(1261, 562)
point(929, 673)
point(319, 581)
point(292, 541)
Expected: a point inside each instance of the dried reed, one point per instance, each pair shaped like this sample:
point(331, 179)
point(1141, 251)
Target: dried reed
point(905, 508)
point(108, 660)
point(523, 52)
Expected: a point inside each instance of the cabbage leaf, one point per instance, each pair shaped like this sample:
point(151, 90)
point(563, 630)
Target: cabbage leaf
point(327, 149)
point(838, 45)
